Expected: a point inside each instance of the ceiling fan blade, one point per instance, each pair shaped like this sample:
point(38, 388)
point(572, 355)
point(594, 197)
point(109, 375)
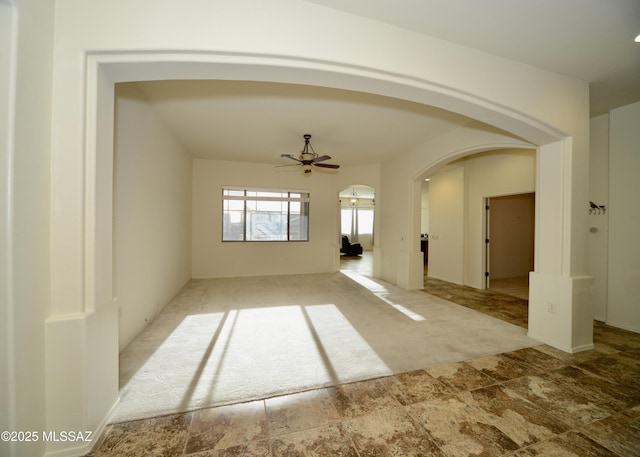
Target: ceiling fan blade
point(321, 158)
point(289, 156)
point(326, 165)
point(289, 165)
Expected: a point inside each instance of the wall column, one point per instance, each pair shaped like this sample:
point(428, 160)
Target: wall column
point(560, 299)
point(81, 334)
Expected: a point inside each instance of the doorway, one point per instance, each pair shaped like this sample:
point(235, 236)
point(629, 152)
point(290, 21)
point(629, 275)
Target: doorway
point(509, 241)
point(357, 205)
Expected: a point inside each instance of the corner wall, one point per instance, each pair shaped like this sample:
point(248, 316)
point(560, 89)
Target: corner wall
point(152, 213)
point(624, 218)
point(597, 248)
point(26, 53)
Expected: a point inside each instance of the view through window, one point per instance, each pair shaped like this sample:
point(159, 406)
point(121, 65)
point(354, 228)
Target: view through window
point(264, 215)
point(356, 221)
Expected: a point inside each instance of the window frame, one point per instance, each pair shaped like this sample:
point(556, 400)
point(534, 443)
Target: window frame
point(251, 194)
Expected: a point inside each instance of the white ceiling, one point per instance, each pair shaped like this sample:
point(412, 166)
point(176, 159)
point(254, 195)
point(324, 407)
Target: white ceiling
point(256, 122)
point(248, 121)
point(590, 40)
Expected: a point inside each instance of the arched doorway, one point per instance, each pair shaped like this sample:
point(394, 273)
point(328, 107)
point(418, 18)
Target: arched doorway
point(357, 205)
point(456, 205)
point(357, 222)
point(84, 311)
point(458, 219)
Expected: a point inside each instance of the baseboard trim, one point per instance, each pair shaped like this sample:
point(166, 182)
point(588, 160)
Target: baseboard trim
point(96, 434)
point(622, 326)
point(570, 350)
point(584, 347)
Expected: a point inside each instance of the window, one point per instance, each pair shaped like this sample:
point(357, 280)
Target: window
point(357, 221)
point(264, 215)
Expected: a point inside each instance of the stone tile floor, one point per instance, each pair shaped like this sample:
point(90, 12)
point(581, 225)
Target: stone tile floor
point(506, 307)
point(531, 402)
point(518, 287)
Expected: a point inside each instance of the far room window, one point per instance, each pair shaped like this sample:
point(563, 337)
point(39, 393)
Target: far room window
point(357, 221)
point(264, 214)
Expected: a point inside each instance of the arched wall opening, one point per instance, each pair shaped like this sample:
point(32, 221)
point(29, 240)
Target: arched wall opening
point(105, 70)
point(357, 214)
point(457, 231)
point(456, 198)
point(454, 244)
point(83, 325)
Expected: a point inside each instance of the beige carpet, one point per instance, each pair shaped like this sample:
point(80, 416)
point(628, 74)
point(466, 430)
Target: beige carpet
point(222, 341)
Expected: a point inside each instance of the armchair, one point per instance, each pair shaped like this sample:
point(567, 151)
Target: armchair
point(349, 248)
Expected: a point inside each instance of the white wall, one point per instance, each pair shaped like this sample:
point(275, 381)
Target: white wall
point(624, 218)
point(213, 258)
point(26, 50)
point(8, 22)
point(597, 247)
point(446, 240)
point(152, 213)
point(424, 208)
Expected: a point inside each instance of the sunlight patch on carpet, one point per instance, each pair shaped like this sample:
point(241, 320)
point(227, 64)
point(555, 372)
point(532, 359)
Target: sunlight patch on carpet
point(381, 292)
point(230, 340)
point(222, 358)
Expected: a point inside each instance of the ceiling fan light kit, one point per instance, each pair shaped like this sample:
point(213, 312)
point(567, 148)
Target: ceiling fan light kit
point(308, 158)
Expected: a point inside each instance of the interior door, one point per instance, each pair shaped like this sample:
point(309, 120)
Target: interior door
point(510, 224)
point(487, 240)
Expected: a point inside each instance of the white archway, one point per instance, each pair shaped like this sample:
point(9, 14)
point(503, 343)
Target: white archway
point(105, 70)
point(356, 200)
point(83, 325)
point(444, 160)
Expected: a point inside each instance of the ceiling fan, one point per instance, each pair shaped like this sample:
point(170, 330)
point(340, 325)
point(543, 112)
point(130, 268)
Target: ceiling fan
point(308, 158)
